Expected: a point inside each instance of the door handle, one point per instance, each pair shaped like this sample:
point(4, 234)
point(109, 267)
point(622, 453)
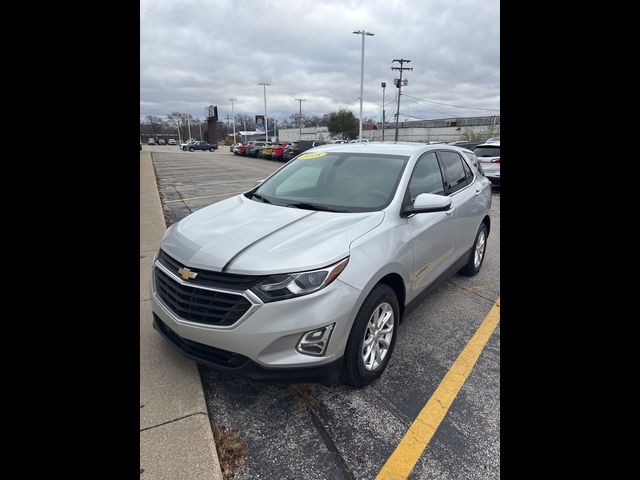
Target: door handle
point(451, 210)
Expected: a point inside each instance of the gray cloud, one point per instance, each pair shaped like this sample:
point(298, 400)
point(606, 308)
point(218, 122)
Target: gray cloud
point(197, 53)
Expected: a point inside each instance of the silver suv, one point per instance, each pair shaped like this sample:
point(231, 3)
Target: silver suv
point(306, 277)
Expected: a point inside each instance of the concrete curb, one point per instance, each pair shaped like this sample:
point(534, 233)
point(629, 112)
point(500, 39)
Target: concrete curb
point(176, 440)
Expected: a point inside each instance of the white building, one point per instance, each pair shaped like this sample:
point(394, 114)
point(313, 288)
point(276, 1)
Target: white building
point(444, 130)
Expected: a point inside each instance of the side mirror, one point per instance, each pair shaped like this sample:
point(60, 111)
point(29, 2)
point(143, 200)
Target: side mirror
point(427, 203)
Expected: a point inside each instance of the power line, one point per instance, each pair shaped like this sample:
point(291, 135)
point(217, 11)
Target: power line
point(449, 105)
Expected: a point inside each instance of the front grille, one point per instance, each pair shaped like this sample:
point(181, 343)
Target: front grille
point(200, 351)
point(231, 281)
point(199, 305)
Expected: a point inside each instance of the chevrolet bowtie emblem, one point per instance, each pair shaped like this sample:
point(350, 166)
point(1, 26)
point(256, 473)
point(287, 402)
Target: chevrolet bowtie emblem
point(186, 273)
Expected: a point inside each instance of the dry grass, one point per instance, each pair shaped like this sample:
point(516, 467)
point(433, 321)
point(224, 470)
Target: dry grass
point(231, 449)
point(304, 396)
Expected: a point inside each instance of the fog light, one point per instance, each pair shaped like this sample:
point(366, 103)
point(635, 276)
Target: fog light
point(315, 342)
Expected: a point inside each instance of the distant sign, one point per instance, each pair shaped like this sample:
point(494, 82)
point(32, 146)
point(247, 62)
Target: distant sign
point(213, 111)
point(260, 123)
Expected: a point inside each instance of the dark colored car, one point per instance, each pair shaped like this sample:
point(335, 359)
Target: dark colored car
point(200, 145)
point(278, 150)
point(299, 146)
point(465, 144)
point(161, 142)
point(253, 150)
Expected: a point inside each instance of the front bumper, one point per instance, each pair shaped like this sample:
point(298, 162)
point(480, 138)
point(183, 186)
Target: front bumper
point(268, 334)
point(240, 365)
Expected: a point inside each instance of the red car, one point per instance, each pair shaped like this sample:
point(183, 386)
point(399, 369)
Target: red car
point(242, 149)
point(278, 150)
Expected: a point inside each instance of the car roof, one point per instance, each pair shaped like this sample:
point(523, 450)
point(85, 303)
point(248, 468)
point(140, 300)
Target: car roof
point(390, 148)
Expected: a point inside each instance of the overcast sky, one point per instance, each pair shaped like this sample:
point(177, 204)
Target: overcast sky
point(195, 53)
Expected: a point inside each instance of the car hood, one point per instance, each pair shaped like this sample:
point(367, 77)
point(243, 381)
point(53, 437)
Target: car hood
point(250, 237)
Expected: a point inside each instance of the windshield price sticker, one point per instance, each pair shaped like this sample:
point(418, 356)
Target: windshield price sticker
point(309, 156)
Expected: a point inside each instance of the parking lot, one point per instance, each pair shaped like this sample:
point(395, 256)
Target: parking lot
point(333, 432)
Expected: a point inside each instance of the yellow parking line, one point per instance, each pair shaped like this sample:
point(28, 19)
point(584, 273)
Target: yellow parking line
point(416, 439)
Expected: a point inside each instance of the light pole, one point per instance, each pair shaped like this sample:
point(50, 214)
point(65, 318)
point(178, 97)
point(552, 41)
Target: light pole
point(363, 33)
point(266, 121)
point(384, 84)
point(300, 100)
point(189, 125)
point(233, 118)
point(200, 125)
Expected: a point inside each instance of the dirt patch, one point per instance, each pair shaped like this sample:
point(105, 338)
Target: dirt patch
point(231, 449)
point(304, 396)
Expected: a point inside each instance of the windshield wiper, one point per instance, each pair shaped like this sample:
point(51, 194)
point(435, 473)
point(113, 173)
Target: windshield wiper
point(257, 195)
point(314, 206)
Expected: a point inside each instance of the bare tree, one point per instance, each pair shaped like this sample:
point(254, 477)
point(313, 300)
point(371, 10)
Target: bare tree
point(156, 123)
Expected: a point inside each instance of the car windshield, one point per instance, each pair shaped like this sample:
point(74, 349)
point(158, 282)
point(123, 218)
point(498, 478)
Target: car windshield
point(488, 151)
point(335, 181)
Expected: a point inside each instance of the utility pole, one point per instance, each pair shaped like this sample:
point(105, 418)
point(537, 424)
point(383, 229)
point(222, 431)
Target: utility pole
point(363, 33)
point(266, 120)
point(384, 84)
point(189, 125)
point(233, 116)
point(228, 118)
point(179, 136)
point(402, 61)
point(300, 100)
point(200, 125)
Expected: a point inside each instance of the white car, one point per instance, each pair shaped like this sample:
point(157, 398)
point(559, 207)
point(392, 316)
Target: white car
point(359, 140)
point(185, 145)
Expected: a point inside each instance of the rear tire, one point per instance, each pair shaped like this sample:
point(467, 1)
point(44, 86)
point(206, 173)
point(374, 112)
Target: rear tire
point(476, 255)
point(211, 149)
point(359, 368)
point(191, 149)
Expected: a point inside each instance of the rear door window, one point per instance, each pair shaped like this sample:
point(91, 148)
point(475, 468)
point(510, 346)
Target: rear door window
point(488, 151)
point(454, 173)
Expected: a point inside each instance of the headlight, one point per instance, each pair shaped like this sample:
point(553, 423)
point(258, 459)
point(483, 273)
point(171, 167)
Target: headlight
point(288, 285)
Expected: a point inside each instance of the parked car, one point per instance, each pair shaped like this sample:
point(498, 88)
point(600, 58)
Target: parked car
point(266, 150)
point(151, 141)
point(359, 140)
point(493, 140)
point(242, 149)
point(236, 148)
point(339, 141)
point(299, 146)
point(200, 145)
point(306, 277)
point(185, 145)
point(171, 141)
point(254, 149)
point(465, 144)
point(489, 156)
point(278, 150)
point(232, 146)
point(161, 141)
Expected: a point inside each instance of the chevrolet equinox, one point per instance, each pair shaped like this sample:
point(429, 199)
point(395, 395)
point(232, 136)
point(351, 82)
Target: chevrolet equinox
point(306, 277)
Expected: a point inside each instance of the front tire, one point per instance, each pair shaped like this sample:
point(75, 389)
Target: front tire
point(372, 337)
point(476, 256)
point(191, 149)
